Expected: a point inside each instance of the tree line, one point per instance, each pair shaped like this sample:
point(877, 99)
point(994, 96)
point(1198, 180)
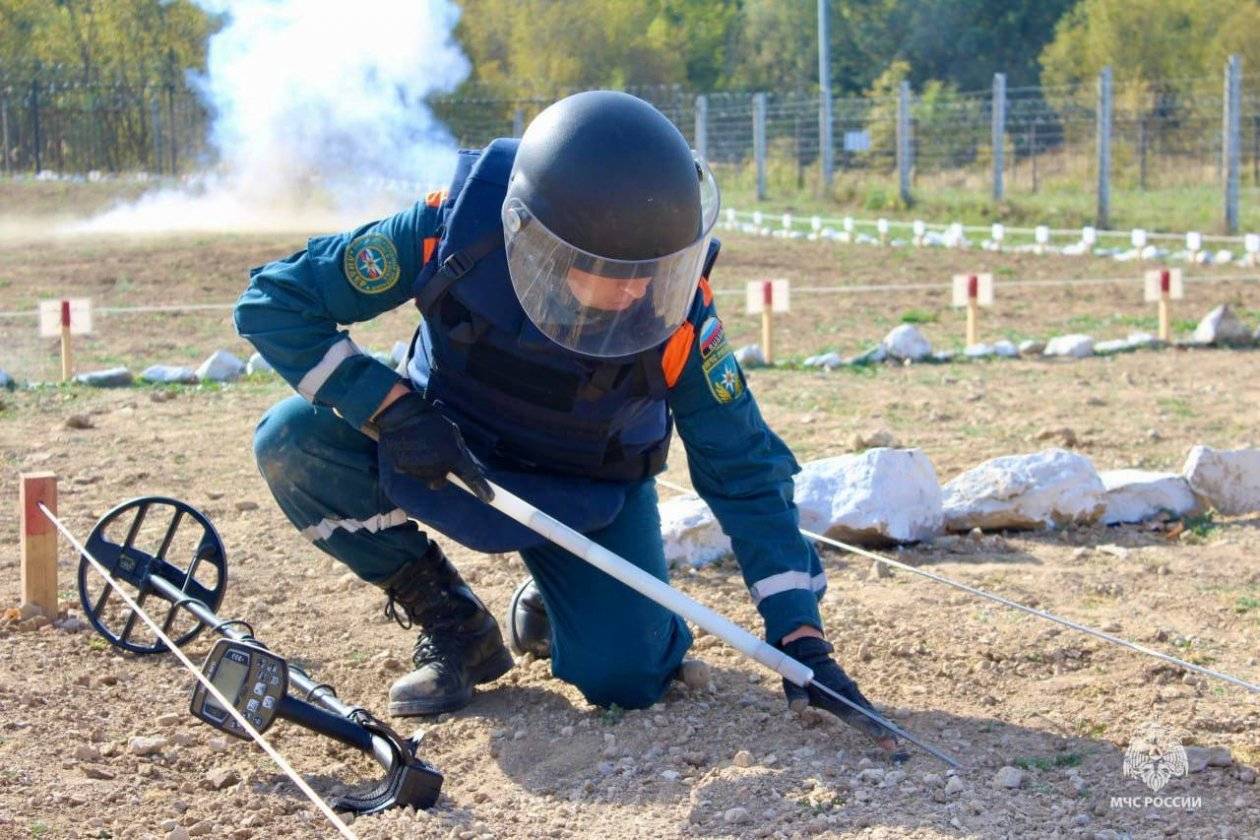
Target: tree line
point(535, 50)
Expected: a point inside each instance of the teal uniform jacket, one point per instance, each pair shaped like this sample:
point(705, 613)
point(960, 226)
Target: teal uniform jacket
point(294, 308)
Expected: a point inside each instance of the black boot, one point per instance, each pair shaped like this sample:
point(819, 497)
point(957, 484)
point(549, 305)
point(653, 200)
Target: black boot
point(529, 628)
point(459, 645)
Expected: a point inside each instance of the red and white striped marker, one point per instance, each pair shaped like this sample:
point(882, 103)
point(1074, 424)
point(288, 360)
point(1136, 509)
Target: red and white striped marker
point(1164, 285)
point(766, 297)
point(973, 291)
point(65, 318)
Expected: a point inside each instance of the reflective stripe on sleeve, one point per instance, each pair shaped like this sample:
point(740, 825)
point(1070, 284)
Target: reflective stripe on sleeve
point(318, 375)
point(372, 524)
point(784, 581)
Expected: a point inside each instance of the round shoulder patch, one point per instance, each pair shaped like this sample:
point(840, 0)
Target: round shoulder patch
point(371, 263)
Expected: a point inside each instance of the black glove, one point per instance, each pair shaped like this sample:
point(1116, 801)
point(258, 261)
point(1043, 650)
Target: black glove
point(415, 439)
point(816, 654)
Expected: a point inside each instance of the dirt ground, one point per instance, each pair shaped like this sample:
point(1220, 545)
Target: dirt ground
point(529, 757)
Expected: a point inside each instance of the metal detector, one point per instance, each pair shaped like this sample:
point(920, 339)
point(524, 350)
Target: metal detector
point(168, 549)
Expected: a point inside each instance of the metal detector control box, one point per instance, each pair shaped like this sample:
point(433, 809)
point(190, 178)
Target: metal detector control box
point(252, 678)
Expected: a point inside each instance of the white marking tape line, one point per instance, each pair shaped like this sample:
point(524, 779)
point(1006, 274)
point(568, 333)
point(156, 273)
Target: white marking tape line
point(1005, 284)
point(133, 310)
point(205, 681)
point(904, 287)
point(1015, 605)
point(772, 220)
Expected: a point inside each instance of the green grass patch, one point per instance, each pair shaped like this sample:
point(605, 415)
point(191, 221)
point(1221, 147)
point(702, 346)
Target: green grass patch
point(918, 316)
point(612, 715)
point(1246, 604)
point(1176, 406)
point(1202, 524)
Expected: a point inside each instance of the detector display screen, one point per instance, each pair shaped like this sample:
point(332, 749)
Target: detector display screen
point(228, 678)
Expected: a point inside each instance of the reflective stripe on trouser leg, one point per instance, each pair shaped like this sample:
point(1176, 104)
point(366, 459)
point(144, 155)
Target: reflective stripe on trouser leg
point(323, 473)
point(612, 643)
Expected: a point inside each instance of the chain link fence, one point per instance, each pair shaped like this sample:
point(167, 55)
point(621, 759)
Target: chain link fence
point(1168, 135)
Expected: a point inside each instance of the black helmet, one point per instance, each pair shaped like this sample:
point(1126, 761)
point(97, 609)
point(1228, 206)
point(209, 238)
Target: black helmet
point(607, 222)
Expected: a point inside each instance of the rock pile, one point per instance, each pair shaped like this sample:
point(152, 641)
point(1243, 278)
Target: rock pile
point(887, 496)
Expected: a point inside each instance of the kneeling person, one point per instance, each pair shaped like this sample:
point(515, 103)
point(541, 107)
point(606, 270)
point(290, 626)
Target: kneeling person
point(568, 327)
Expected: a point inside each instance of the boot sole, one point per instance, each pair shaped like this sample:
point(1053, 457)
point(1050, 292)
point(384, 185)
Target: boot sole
point(488, 671)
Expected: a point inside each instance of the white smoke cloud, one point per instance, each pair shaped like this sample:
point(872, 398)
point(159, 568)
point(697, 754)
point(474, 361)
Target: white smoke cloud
point(319, 116)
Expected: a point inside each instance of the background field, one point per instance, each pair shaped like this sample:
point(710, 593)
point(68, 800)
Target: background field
point(530, 758)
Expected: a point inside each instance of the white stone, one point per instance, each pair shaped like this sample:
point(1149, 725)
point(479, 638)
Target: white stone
point(257, 364)
point(1031, 347)
point(1009, 777)
point(1139, 495)
point(1139, 340)
point(978, 351)
point(146, 744)
point(169, 374)
point(1075, 345)
point(691, 532)
point(1221, 326)
point(221, 366)
point(1116, 345)
point(877, 497)
point(825, 360)
point(905, 341)
point(1227, 479)
point(1005, 349)
point(115, 377)
point(750, 355)
point(398, 353)
point(1046, 489)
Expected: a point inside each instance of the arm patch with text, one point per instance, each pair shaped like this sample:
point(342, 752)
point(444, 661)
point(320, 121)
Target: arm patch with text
point(721, 370)
point(371, 263)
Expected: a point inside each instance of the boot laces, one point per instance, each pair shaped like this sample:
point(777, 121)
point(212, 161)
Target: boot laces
point(398, 612)
point(438, 644)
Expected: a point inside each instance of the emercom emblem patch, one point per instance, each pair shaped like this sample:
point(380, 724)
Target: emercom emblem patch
point(721, 371)
point(371, 263)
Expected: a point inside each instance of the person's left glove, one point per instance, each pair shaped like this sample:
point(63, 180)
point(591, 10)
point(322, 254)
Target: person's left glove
point(816, 654)
point(415, 439)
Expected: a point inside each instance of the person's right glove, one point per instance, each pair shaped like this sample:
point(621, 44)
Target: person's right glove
point(816, 654)
point(416, 440)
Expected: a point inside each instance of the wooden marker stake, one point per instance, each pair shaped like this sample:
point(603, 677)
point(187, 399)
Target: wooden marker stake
point(767, 330)
point(1165, 294)
point(39, 542)
point(973, 309)
point(67, 360)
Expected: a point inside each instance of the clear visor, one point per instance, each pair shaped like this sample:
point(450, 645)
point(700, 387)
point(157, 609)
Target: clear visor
point(602, 307)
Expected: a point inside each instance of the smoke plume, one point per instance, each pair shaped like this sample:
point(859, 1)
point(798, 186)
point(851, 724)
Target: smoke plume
point(318, 116)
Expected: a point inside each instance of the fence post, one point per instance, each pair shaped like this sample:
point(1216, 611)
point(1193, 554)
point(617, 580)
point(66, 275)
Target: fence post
point(1103, 144)
point(1231, 142)
point(759, 142)
point(999, 136)
point(702, 126)
point(825, 137)
point(1142, 143)
point(903, 144)
point(1032, 150)
point(518, 122)
point(35, 128)
point(4, 129)
point(155, 117)
point(170, 126)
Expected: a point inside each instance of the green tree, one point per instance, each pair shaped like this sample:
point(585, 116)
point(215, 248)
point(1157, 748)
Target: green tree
point(1158, 49)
